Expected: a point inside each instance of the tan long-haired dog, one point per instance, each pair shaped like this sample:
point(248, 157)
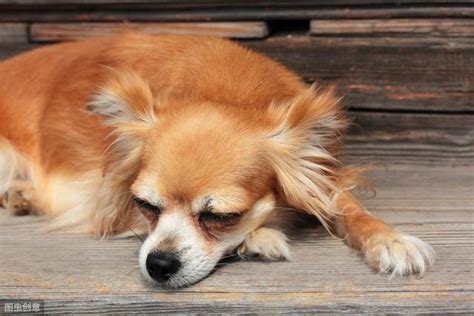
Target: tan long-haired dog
point(197, 139)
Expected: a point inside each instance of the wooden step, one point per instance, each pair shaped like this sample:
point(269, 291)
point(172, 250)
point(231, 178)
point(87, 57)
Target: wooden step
point(56, 32)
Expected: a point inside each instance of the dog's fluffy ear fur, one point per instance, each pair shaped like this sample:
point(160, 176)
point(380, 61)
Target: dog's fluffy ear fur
point(302, 151)
point(126, 103)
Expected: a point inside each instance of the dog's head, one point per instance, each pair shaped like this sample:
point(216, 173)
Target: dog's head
point(205, 174)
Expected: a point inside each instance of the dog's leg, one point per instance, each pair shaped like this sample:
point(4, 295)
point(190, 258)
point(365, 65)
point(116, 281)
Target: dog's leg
point(265, 243)
point(385, 249)
point(19, 199)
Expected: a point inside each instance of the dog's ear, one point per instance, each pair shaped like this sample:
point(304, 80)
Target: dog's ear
point(302, 151)
point(125, 102)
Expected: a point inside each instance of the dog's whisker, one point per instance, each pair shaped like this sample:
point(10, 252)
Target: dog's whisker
point(136, 234)
point(229, 256)
point(223, 264)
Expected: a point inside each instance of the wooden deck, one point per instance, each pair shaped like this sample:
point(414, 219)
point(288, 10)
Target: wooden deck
point(407, 69)
point(422, 188)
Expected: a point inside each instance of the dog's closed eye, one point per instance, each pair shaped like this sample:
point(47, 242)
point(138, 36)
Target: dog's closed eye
point(208, 216)
point(147, 207)
point(213, 223)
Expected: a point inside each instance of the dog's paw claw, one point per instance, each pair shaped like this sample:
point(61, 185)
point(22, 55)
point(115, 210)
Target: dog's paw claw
point(265, 243)
point(398, 254)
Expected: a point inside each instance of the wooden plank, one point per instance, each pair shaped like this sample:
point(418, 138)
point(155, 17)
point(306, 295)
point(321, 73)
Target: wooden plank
point(425, 190)
point(54, 32)
point(410, 138)
point(73, 273)
point(13, 33)
point(392, 13)
point(205, 13)
point(187, 3)
point(394, 27)
point(380, 73)
point(375, 73)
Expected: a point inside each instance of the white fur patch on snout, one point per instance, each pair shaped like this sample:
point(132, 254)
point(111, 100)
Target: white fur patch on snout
point(399, 254)
point(148, 245)
point(196, 261)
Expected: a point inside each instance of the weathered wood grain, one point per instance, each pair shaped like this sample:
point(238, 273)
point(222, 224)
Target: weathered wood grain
point(438, 11)
point(224, 11)
point(410, 138)
point(187, 3)
point(395, 74)
point(394, 27)
point(16, 33)
point(436, 194)
point(375, 73)
point(75, 273)
point(54, 32)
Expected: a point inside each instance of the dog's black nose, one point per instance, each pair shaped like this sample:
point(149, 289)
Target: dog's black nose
point(162, 265)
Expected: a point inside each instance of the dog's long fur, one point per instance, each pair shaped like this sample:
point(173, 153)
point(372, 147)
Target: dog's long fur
point(185, 123)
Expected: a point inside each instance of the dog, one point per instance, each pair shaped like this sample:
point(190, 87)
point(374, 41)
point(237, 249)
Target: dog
point(197, 141)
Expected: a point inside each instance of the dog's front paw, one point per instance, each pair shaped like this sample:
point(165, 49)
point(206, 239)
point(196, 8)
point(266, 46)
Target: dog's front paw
point(18, 202)
point(399, 254)
point(265, 243)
